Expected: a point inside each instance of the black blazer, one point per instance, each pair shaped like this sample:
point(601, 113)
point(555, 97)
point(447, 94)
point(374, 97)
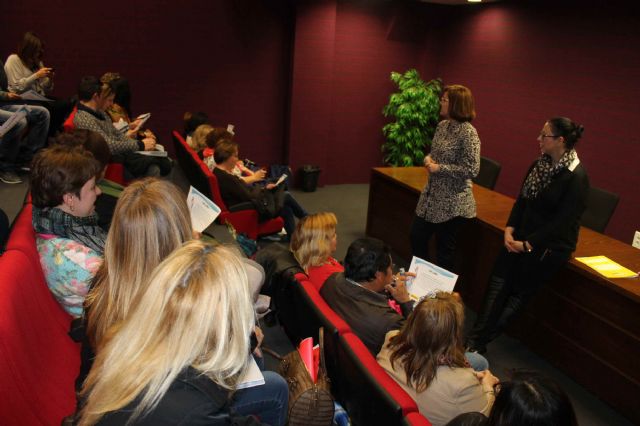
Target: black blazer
point(552, 219)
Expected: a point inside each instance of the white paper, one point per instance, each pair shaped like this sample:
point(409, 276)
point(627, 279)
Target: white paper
point(281, 179)
point(158, 151)
point(12, 121)
point(144, 118)
point(121, 125)
point(230, 128)
point(203, 210)
point(252, 376)
point(429, 278)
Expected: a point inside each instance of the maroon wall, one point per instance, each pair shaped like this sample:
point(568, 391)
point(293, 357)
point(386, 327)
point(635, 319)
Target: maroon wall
point(525, 63)
point(228, 58)
point(342, 58)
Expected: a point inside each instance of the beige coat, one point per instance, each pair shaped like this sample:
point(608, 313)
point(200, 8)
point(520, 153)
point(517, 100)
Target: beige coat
point(453, 391)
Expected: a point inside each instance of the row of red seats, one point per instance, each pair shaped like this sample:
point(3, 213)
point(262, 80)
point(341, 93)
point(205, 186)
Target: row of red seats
point(199, 175)
point(38, 360)
point(367, 392)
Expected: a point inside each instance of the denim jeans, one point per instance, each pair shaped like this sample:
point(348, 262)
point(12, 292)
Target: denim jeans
point(290, 210)
point(38, 120)
point(269, 402)
point(10, 142)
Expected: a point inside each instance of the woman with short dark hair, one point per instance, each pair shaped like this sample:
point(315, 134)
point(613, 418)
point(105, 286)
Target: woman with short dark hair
point(447, 198)
point(541, 233)
point(426, 357)
point(70, 241)
point(234, 191)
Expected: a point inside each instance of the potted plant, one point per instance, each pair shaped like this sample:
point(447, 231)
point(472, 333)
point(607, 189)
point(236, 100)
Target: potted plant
point(416, 109)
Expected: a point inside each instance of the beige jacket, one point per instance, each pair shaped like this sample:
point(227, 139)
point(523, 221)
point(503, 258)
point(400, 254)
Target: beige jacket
point(453, 391)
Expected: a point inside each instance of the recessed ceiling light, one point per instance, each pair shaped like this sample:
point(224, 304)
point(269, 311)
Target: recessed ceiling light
point(474, 1)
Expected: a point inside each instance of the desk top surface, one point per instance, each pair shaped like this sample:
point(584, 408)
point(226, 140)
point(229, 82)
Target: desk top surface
point(493, 209)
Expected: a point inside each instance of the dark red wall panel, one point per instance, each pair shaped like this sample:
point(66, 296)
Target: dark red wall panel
point(228, 58)
point(526, 63)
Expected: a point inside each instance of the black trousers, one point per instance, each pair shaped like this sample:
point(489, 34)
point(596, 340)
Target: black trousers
point(515, 279)
point(445, 233)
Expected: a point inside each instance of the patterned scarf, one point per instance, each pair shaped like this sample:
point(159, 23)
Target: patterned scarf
point(542, 173)
point(85, 230)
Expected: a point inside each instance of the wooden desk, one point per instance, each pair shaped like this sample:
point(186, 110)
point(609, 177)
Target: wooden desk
point(585, 324)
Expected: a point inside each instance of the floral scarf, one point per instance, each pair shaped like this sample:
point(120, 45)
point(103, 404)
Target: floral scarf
point(543, 171)
point(85, 230)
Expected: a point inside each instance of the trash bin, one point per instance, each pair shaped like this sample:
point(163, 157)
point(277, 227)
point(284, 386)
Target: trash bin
point(310, 176)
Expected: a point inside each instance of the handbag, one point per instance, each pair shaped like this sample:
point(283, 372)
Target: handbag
point(269, 202)
point(310, 404)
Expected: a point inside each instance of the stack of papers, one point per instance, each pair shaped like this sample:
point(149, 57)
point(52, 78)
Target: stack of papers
point(607, 267)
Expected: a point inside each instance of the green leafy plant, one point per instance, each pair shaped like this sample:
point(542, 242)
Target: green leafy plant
point(416, 109)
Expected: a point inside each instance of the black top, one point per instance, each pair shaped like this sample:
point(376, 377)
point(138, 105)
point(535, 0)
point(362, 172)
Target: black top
point(367, 313)
point(192, 399)
point(233, 190)
point(552, 219)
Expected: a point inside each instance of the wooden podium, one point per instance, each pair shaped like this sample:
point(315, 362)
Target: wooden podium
point(583, 323)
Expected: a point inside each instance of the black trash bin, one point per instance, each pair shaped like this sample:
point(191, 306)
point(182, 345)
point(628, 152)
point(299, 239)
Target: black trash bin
point(309, 176)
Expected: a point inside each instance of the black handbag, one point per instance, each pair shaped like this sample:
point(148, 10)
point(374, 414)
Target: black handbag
point(269, 202)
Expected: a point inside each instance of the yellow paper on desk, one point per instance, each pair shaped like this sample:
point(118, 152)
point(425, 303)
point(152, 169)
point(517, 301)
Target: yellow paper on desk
point(607, 267)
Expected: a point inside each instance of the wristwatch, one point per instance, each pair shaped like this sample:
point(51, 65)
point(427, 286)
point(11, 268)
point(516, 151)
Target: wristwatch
point(527, 246)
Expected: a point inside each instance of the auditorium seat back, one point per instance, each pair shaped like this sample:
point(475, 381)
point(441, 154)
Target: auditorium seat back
point(38, 360)
point(371, 395)
point(201, 178)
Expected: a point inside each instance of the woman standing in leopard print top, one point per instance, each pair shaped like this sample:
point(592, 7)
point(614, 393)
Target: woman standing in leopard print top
point(454, 160)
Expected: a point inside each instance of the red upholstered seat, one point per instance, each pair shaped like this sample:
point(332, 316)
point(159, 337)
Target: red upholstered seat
point(415, 419)
point(115, 173)
point(371, 395)
point(68, 125)
point(38, 360)
point(199, 175)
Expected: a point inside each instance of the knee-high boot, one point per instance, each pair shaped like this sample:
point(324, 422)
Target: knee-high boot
point(488, 316)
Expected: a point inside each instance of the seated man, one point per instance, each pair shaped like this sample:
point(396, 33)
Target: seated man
point(358, 296)
point(94, 98)
point(358, 293)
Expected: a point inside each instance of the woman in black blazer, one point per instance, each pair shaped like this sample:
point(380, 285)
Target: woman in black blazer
point(541, 233)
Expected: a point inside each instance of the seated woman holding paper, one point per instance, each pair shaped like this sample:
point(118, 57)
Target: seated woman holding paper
point(198, 299)
point(69, 240)
point(426, 357)
point(235, 192)
point(313, 244)
point(541, 232)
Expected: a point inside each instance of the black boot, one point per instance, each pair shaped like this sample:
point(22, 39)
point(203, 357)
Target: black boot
point(488, 316)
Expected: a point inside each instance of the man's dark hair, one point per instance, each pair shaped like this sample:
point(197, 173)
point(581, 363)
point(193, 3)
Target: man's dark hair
point(91, 141)
point(364, 258)
point(90, 85)
point(194, 119)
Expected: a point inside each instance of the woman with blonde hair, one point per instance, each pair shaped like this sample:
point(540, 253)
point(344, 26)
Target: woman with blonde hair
point(150, 221)
point(313, 244)
point(198, 140)
point(426, 357)
point(182, 349)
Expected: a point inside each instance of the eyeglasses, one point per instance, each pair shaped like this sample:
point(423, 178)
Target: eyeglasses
point(542, 136)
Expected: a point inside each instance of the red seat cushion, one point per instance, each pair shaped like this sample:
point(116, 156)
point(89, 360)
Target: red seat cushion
point(38, 360)
point(370, 395)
